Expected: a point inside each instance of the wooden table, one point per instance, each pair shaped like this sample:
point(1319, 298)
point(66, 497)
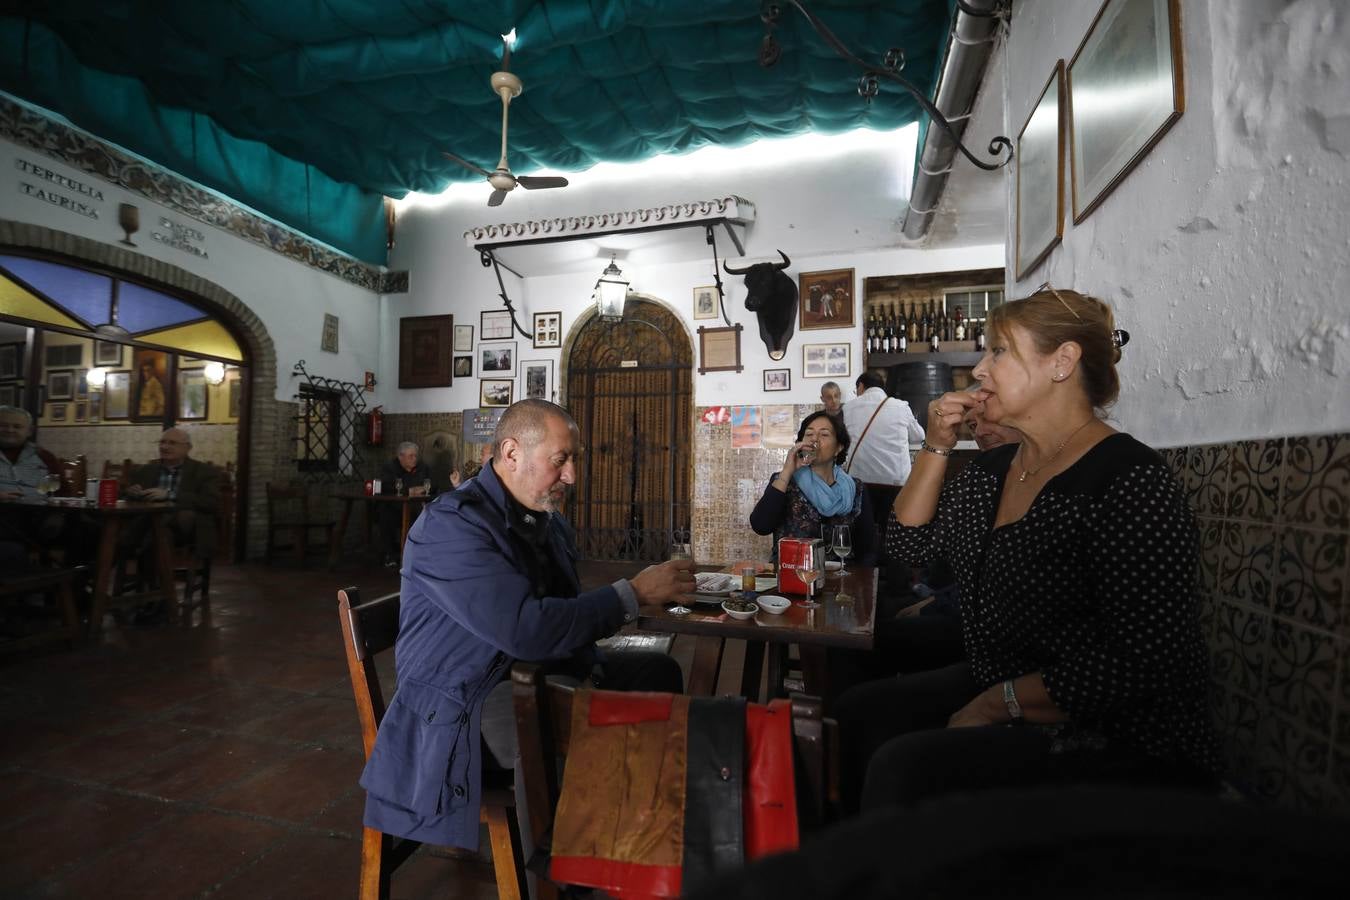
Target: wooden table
point(847, 623)
point(110, 519)
point(350, 496)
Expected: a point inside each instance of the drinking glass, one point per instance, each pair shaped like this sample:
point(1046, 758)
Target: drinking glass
point(843, 546)
point(398, 486)
point(808, 570)
point(49, 484)
point(426, 487)
point(680, 550)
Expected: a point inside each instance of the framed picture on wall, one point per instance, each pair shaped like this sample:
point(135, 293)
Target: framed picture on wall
point(81, 410)
point(464, 366)
point(536, 379)
point(107, 353)
point(424, 351)
point(1040, 176)
point(191, 394)
point(497, 361)
point(826, 360)
point(547, 330)
point(82, 384)
point(705, 302)
point(149, 376)
point(1133, 51)
point(328, 341)
point(9, 395)
point(463, 339)
point(235, 390)
point(495, 392)
point(11, 360)
point(95, 406)
point(495, 325)
point(719, 349)
point(777, 379)
point(116, 395)
point(61, 384)
point(56, 412)
point(826, 299)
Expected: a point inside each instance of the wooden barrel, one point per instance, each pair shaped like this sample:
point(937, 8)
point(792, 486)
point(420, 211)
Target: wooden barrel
point(919, 383)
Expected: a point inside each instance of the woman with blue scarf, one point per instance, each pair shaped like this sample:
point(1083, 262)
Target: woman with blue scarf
point(813, 490)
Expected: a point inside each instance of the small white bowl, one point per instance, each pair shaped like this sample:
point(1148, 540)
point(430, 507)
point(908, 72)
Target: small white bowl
point(738, 614)
point(773, 604)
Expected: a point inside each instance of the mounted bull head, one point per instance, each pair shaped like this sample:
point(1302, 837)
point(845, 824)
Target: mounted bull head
point(772, 296)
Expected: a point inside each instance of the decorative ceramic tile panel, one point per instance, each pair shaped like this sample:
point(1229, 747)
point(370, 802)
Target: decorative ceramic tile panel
point(1254, 479)
point(1317, 481)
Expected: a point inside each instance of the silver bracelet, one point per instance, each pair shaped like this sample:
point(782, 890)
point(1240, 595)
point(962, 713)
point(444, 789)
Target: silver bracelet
point(940, 451)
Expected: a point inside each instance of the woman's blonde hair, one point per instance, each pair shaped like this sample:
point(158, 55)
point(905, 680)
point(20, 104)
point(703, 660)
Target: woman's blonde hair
point(1056, 316)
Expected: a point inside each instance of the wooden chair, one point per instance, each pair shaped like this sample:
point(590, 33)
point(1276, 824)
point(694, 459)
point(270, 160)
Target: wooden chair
point(371, 628)
point(121, 471)
point(58, 582)
point(543, 734)
point(288, 511)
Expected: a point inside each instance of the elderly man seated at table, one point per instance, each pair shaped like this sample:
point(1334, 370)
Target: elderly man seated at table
point(192, 486)
point(406, 474)
point(489, 577)
point(23, 466)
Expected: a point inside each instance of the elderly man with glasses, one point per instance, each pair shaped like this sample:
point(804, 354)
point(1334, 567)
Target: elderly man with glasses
point(192, 486)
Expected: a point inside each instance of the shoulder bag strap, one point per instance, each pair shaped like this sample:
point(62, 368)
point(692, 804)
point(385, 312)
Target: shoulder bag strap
point(854, 455)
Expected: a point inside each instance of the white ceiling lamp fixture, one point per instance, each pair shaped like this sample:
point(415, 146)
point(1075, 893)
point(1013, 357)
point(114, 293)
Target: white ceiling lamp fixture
point(214, 372)
point(96, 378)
point(508, 87)
point(610, 293)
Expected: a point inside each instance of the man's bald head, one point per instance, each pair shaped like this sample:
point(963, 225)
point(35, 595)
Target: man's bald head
point(174, 446)
point(527, 421)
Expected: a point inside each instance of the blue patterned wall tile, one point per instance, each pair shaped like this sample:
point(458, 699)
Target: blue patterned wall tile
point(1254, 480)
point(1301, 674)
point(1309, 576)
point(1317, 481)
point(1247, 562)
point(1240, 645)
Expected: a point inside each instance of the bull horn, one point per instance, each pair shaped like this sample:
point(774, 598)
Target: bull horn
point(786, 262)
point(730, 271)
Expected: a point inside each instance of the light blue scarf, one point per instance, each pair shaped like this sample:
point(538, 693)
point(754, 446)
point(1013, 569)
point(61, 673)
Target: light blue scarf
point(835, 500)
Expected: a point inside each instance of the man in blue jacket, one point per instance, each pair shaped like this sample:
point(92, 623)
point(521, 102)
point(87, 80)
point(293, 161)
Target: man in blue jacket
point(489, 577)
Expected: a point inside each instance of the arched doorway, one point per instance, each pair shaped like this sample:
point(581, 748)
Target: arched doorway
point(630, 388)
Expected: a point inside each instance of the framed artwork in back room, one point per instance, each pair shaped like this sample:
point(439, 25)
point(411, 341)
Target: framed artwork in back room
point(826, 299)
point(11, 360)
point(495, 325)
point(536, 379)
point(107, 353)
point(463, 339)
point(424, 351)
point(547, 330)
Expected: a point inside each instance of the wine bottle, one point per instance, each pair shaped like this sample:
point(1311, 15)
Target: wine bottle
point(913, 323)
point(979, 337)
point(871, 329)
point(959, 329)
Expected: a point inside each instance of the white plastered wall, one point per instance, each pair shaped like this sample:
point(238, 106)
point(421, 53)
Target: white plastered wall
point(1224, 253)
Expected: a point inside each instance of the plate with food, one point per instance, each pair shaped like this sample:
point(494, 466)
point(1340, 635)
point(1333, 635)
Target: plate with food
point(740, 609)
point(714, 585)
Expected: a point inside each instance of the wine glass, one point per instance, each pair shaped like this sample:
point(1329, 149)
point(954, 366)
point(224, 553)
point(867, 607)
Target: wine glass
point(398, 486)
point(843, 546)
point(680, 550)
point(129, 217)
point(426, 487)
point(50, 484)
point(808, 570)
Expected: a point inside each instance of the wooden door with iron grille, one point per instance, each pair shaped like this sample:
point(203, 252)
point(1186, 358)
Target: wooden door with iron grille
point(630, 387)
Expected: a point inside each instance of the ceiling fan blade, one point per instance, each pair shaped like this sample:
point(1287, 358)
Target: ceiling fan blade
point(496, 198)
point(466, 164)
point(537, 182)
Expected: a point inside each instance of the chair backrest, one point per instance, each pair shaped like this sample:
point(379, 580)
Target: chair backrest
point(287, 502)
point(367, 629)
point(225, 514)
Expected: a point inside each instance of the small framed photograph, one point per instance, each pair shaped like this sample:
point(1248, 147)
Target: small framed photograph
point(826, 299)
point(705, 302)
point(61, 384)
point(495, 325)
point(63, 356)
point(463, 339)
point(81, 410)
point(191, 394)
point(424, 351)
point(56, 412)
point(826, 360)
point(1040, 176)
point(11, 360)
point(719, 349)
point(82, 384)
point(495, 392)
point(1132, 51)
point(150, 374)
point(9, 395)
point(235, 386)
point(117, 395)
point(497, 361)
point(464, 366)
point(777, 379)
point(107, 353)
point(547, 330)
point(536, 379)
point(329, 341)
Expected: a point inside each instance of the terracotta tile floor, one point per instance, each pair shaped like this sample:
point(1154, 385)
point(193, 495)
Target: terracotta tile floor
point(214, 760)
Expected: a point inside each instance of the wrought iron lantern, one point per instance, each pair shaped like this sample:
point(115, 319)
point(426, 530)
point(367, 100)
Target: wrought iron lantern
point(610, 293)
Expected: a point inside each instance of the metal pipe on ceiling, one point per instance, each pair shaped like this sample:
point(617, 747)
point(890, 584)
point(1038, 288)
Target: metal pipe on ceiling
point(969, 47)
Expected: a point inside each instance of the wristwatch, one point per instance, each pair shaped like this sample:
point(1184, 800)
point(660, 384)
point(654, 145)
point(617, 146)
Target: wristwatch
point(1010, 700)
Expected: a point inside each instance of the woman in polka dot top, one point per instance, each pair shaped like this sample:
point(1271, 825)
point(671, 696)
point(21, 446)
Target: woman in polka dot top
point(1076, 555)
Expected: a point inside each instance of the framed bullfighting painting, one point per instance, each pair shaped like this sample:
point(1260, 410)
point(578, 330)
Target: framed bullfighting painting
point(826, 299)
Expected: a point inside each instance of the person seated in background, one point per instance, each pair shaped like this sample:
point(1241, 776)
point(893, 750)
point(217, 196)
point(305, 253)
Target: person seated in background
point(812, 491)
point(468, 469)
point(405, 474)
point(1076, 553)
point(832, 397)
point(192, 486)
point(23, 466)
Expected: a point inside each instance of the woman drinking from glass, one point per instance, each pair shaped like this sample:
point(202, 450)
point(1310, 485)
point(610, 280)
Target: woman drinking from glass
point(812, 489)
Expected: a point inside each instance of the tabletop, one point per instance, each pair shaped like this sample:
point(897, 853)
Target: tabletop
point(357, 494)
point(78, 504)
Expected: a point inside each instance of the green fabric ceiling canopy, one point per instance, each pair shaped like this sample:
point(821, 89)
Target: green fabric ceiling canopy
point(311, 110)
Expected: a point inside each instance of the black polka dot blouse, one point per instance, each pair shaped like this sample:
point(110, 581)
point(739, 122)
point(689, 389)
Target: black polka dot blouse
point(1095, 588)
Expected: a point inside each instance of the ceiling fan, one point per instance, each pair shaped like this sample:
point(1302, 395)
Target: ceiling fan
point(508, 87)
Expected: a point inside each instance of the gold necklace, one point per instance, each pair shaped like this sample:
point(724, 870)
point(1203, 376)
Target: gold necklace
point(1032, 473)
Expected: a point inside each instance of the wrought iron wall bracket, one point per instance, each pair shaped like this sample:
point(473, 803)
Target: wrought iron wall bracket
point(489, 259)
point(869, 84)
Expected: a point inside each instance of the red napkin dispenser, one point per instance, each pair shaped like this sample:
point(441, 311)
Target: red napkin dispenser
point(791, 553)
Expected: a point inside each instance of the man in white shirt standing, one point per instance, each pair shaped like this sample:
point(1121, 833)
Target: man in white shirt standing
point(882, 428)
